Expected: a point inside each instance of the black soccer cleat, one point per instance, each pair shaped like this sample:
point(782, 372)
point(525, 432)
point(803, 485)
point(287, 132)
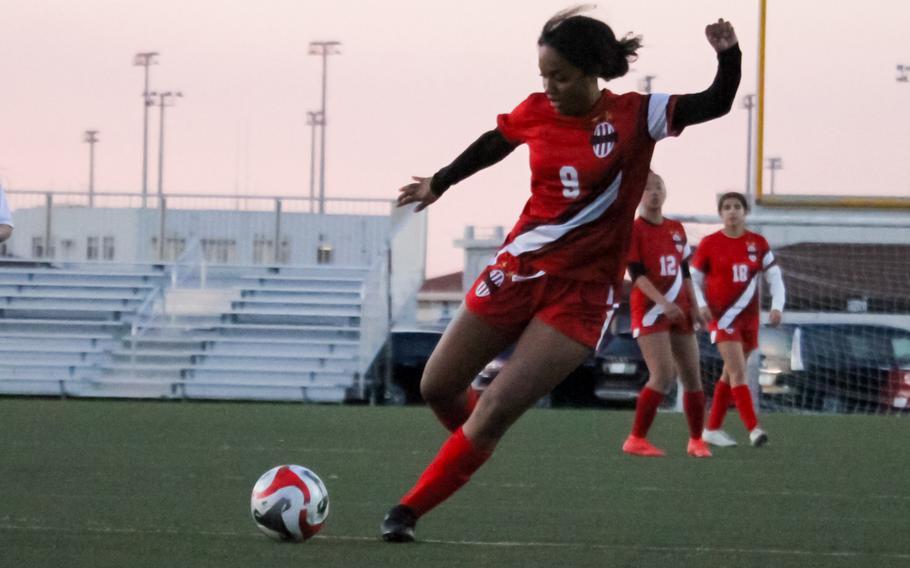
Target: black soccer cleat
point(398, 524)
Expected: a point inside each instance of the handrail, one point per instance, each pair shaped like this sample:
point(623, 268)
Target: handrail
point(98, 194)
point(190, 256)
point(375, 307)
point(148, 313)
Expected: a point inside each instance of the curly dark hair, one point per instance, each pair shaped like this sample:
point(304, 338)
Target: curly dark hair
point(589, 44)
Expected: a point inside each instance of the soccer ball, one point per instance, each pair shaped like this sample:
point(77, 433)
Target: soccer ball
point(289, 503)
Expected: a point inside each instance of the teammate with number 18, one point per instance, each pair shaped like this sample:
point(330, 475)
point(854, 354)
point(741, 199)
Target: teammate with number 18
point(725, 271)
point(552, 287)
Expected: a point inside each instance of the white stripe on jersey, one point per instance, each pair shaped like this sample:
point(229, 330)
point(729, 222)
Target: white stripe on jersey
point(651, 316)
point(657, 115)
point(768, 260)
point(740, 304)
point(609, 317)
point(543, 235)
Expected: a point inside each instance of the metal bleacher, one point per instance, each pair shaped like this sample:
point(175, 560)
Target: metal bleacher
point(285, 333)
point(57, 327)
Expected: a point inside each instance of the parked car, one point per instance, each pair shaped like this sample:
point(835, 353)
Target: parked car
point(838, 367)
point(621, 370)
point(842, 367)
point(576, 390)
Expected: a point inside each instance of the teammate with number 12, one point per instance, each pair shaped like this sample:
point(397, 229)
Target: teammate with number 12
point(552, 287)
point(664, 316)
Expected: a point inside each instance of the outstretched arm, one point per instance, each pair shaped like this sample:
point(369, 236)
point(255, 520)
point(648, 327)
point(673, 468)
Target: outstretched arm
point(490, 148)
point(717, 99)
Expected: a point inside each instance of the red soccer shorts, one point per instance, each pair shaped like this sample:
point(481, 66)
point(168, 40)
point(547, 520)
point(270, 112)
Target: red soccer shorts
point(745, 332)
point(580, 310)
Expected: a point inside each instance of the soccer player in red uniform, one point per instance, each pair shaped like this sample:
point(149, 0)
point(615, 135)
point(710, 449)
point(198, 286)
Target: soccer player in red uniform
point(552, 287)
point(664, 314)
point(726, 271)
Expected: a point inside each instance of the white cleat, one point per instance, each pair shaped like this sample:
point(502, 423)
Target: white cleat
point(718, 438)
point(758, 437)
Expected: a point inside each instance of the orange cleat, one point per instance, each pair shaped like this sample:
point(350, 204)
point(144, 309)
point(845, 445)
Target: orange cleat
point(641, 447)
point(698, 448)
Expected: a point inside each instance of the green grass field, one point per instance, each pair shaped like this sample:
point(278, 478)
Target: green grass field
point(136, 484)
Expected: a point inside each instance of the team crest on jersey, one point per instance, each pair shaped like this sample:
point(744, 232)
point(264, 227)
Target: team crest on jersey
point(677, 238)
point(752, 250)
point(491, 282)
point(603, 139)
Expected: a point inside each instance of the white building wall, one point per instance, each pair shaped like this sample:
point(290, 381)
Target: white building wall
point(354, 240)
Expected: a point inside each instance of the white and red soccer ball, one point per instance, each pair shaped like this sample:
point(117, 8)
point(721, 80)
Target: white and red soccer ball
point(289, 503)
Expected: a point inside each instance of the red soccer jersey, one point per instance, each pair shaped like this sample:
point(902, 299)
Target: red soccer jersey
point(661, 250)
point(732, 267)
point(587, 176)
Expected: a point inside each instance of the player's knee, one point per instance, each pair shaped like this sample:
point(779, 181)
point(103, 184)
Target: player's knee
point(432, 394)
point(494, 414)
point(737, 378)
point(690, 382)
point(661, 379)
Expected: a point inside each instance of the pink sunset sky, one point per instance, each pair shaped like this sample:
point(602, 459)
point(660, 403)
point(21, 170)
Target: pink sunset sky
point(416, 82)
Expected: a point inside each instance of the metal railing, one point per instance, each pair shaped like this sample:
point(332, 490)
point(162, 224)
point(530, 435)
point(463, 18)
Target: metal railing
point(250, 229)
point(189, 267)
point(375, 321)
point(153, 306)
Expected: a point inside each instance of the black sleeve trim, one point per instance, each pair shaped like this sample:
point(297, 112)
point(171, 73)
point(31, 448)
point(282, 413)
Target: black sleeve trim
point(637, 269)
point(685, 269)
point(717, 100)
point(490, 148)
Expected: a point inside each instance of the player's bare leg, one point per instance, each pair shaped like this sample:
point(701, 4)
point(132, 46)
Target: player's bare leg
point(713, 434)
point(467, 345)
point(735, 368)
point(543, 357)
point(685, 353)
point(658, 355)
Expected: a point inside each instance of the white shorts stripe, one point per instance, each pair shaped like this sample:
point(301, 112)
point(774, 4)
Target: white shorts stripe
point(609, 317)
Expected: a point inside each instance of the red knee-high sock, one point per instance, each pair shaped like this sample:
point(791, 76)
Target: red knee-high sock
point(645, 411)
point(452, 420)
point(719, 405)
point(743, 398)
point(694, 407)
point(452, 467)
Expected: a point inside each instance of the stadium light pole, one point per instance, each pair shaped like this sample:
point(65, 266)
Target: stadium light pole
point(774, 163)
point(324, 49)
point(90, 137)
point(165, 99)
point(145, 59)
point(749, 104)
point(313, 119)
